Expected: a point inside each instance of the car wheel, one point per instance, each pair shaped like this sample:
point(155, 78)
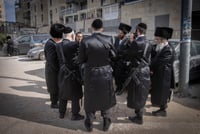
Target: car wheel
point(41, 56)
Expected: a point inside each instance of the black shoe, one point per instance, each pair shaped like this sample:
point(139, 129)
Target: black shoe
point(62, 115)
point(54, 106)
point(76, 117)
point(160, 112)
point(136, 119)
point(106, 124)
point(88, 125)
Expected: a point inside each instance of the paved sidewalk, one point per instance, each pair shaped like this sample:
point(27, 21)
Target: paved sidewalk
point(25, 109)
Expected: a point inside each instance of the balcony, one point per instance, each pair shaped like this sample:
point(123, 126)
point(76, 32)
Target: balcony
point(75, 1)
point(67, 12)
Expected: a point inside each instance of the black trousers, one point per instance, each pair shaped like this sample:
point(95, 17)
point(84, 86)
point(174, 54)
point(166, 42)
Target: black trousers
point(75, 106)
point(10, 50)
point(54, 98)
point(90, 115)
point(120, 74)
point(139, 112)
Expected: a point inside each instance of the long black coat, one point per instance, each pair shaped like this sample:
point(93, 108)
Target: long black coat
point(51, 66)
point(120, 67)
point(139, 85)
point(73, 87)
point(98, 79)
point(161, 66)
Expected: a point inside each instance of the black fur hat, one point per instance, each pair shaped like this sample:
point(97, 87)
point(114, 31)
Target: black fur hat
point(142, 26)
point(97, 24)
point(57, 30)
point(124, 28)
point(164, 32)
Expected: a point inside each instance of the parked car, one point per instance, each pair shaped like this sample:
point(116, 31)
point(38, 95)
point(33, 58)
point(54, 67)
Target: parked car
point(24, 43)
point(194, 60)
point(37, 53)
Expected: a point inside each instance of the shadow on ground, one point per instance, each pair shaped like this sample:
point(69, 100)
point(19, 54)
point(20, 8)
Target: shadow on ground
point(38, 72)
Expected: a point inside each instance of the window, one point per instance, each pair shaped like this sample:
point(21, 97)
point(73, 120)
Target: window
point(127, 1)
point(76, 18)
point(50, 2)
point(51, 17)
point(25, 39)
point(196, 45)
point(162, 21)
point(42, 19)
point(41, 7)
point(134, 23)
point(83, 16)
point(28, 5)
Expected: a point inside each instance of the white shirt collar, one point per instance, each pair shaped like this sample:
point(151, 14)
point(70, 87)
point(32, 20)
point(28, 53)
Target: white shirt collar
point(141, 35)
point(161, 46)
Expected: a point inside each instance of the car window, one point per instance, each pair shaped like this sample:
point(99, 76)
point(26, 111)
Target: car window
point(196, 46)
point(174, 43)
point(40, 38)
point(24, 39)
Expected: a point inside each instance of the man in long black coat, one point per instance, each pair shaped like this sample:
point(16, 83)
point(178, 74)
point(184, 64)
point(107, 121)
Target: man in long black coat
point(69, 83)
point(120, 65)
point(10, 45)
point(52, 66)
point(138, 53)
point(98, 80)
point(161, 69)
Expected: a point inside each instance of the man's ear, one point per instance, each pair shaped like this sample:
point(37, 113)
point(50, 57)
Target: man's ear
point(102, 29)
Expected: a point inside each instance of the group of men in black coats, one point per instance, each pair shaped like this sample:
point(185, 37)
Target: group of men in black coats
point(61, 73)
point(137, 66)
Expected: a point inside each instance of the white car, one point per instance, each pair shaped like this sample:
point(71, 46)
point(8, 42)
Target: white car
point(194, 71)
point(36, 53)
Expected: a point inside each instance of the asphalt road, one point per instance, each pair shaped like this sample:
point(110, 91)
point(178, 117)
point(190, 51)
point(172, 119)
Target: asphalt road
point(25, 107)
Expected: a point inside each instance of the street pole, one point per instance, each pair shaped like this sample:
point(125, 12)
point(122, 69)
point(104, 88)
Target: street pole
point(186, 26)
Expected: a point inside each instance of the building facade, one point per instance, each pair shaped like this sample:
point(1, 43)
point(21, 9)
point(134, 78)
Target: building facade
point(39, 15)
point(79, 14)
point(131, 12)
point(23, 12)
point(154, 13)
point(2, 11)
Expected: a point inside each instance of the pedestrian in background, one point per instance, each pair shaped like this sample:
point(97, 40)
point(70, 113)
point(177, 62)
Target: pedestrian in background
point(138, 82)
point(69, 78)
point(98, 79)
point(161, 70)
point(10, 45)
point(120, 65)
point(52, 66)
point(79, 37)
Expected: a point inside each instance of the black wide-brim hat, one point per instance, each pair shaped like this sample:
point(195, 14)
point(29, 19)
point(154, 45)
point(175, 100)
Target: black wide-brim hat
point(124, 28)
point(164, 32)
point(68, 30)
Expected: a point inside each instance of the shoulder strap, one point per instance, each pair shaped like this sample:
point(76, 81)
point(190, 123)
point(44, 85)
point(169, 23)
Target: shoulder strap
point(62, 53)
point(105, 44)
point(146, 48)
